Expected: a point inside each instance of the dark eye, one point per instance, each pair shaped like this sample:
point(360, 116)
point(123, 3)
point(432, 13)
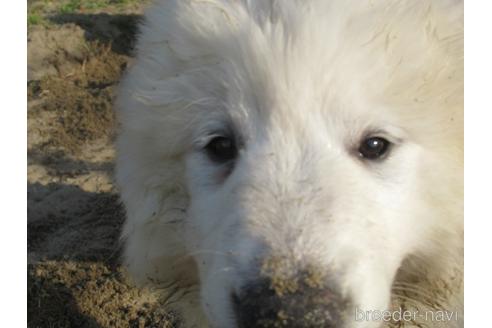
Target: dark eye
point(373, 148)
point(221, 149)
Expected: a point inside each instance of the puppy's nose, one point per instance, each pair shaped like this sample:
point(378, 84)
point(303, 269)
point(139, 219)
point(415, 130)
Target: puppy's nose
point(269, 303)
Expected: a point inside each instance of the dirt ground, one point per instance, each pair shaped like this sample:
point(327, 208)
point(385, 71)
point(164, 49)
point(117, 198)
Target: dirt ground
point(77, 52)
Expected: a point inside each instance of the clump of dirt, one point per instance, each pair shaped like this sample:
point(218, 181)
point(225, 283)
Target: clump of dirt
point(70, 294)
point(56, 50)
point(292, 295)
point(81, 102)
point(285, 278)
point(52, 305)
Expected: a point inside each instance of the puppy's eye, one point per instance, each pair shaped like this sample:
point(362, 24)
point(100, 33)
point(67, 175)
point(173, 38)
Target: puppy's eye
point(373, 148)
point(221, 149)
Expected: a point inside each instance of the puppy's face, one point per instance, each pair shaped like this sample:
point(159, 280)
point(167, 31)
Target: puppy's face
point(312, 180)
point(322, 143)
point(303, 210)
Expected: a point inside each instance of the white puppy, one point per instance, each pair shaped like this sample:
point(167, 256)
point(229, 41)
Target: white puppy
point(297, 163)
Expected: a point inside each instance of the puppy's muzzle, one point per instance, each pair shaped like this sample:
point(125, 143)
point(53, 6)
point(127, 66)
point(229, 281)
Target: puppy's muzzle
point(299, 301)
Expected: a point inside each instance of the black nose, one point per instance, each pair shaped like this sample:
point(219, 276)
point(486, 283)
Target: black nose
point(269, 303)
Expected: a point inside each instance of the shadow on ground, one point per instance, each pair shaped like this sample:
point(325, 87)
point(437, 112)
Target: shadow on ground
point(118, 30)
point(68, 223)
point(75, 278)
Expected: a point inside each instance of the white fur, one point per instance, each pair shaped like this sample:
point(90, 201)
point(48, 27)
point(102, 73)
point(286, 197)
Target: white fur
point(301, 82)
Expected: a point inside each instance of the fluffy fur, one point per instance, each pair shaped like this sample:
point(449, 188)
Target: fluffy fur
point(299, 83)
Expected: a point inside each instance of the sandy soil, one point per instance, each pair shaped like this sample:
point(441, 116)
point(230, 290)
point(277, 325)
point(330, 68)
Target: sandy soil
point(77, 52)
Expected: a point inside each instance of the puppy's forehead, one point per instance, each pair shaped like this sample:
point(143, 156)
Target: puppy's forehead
point(337, 67)
point(289, 87)
point(302, 105)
